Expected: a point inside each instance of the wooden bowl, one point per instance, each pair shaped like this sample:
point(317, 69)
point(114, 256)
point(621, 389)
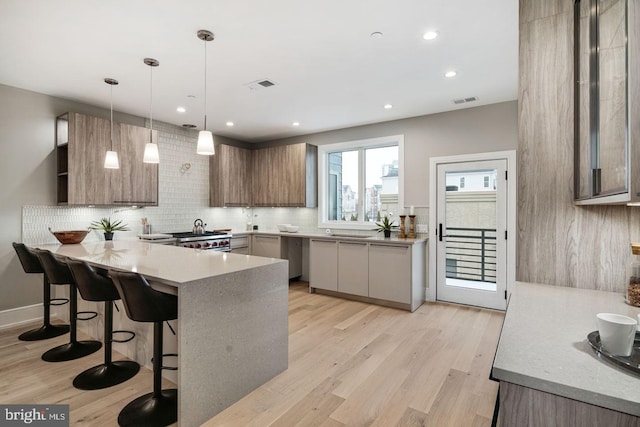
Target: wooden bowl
point(70, 237)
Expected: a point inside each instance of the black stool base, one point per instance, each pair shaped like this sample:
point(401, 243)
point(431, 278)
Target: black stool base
point(103, 376)
point(71, 351)
point(149, 411)
point(44, 332)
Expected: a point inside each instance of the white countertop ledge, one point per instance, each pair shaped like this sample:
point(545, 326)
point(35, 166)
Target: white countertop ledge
point(172, 264)
point(543, 345)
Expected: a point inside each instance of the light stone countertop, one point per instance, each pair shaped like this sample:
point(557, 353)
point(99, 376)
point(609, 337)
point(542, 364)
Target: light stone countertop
point(171, 264)
point(346, 235)
point(543, 345)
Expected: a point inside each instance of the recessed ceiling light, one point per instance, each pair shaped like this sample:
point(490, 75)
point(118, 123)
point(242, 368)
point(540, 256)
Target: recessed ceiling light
point(181, 109)
point(376, 35)
point(450, 74)
point(295, 124)
point(388, 106)
point(229, 124)
point(430, 35)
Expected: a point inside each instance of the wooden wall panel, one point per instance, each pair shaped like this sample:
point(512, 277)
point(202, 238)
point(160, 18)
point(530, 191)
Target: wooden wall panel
point(559, 243)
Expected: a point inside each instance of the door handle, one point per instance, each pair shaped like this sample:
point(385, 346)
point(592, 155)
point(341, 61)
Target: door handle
point(440, 235)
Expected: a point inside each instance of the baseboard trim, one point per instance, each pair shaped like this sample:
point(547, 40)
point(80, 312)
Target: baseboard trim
point(20, 315)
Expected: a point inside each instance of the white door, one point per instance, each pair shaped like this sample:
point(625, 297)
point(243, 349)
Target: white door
point(471, 233)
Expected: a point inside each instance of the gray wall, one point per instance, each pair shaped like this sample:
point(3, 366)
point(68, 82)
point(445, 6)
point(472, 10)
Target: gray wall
point(27, 138)
point(559, 243)
point(472, 130)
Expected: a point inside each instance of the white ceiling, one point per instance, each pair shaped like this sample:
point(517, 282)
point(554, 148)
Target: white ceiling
point(329, 72)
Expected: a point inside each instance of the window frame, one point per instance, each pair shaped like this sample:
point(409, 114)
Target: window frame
point(323, 176)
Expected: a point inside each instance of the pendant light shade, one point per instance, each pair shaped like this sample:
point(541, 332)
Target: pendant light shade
point(205, 143)
point(151, 154)
point(205, 137)
point(111, 158)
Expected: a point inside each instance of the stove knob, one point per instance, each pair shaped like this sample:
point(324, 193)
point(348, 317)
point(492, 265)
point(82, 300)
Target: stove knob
point(206, 245)
point(225, 243)
point(198, 246)
point(190, 246)
point(214, 244)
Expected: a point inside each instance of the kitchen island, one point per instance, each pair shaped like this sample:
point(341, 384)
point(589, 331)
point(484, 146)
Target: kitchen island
point(548, 372)
point(232, 316)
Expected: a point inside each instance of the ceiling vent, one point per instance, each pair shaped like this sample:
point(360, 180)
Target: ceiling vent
point(260, 84)
point(464, 100)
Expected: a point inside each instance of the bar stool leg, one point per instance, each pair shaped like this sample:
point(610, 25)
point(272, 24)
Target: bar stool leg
point(47, 330)
point(109, 373)
point(159, 408)
point(74, 349)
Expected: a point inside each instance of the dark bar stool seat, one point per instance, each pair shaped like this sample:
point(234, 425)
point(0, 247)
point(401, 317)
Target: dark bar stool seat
point(31, 265)
point(58, 273)
point(144, 304)
point(96, 287)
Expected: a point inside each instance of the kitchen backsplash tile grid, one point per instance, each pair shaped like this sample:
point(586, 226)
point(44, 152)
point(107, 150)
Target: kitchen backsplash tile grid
point(183, 196)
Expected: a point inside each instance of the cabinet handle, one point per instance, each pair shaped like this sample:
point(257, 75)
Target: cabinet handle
point(266, 237)
point(323, 241)
point(390, 246)
point(354, 243)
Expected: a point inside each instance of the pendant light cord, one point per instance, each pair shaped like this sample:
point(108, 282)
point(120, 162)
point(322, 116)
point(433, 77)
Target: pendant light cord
point(151, 105)
point(205, 84)
point(111, 86)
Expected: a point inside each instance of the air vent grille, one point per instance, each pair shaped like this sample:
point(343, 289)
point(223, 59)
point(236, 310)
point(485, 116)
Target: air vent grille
point(260, 84)
point(464, 100)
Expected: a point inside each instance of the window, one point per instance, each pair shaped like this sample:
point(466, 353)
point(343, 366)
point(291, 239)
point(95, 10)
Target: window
point(360, 182)
point(486, 181)
point(462, 182)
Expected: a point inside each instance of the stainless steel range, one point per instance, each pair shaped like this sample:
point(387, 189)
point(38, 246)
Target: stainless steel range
point(210, 240)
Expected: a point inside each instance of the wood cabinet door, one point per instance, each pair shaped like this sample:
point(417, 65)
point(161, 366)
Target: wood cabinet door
point(353, 268)
point(137, 182)
point(89, 183)
point(230, 177)
point(265, 183)
point(390, 272)
point(291, 175)
point(323, 264)
point(238, 176)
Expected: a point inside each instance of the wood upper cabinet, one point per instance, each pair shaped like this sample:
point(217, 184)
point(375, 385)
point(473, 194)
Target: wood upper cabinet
point(265, 178)
point(230, 177)
point(136, 182)
point(285, 176)
point(82, 142)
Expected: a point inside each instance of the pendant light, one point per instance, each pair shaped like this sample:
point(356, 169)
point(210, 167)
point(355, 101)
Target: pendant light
point(111, 159)
point(205, 137)
point(151, 154)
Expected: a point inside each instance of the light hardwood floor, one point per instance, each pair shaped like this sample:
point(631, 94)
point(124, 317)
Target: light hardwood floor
point(350, 364)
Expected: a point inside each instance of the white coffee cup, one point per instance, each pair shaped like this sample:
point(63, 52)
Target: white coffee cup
point(617, 333)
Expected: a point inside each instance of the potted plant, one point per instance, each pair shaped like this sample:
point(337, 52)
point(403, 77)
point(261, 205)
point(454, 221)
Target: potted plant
point(385, 226)
point(109, 227)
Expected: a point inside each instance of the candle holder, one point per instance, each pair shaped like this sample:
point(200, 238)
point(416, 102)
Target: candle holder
point(412, 227)
point(401, 234)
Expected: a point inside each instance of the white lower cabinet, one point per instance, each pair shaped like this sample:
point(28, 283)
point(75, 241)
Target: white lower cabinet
point(267, 246)
point(323, 264)
point(353, 268)
point(390, 274)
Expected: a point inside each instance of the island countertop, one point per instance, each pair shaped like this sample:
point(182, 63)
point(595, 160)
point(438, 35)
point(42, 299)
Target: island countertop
point(170, 264)
point(543, 345)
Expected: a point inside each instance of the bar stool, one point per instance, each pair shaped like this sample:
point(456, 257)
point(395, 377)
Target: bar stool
point(95, 287)
point(59, 274)
point(144, 304)
point(31, 265)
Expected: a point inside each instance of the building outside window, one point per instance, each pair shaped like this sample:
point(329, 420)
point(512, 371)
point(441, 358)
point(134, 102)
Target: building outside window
point(360, 182)
point(462, 182)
